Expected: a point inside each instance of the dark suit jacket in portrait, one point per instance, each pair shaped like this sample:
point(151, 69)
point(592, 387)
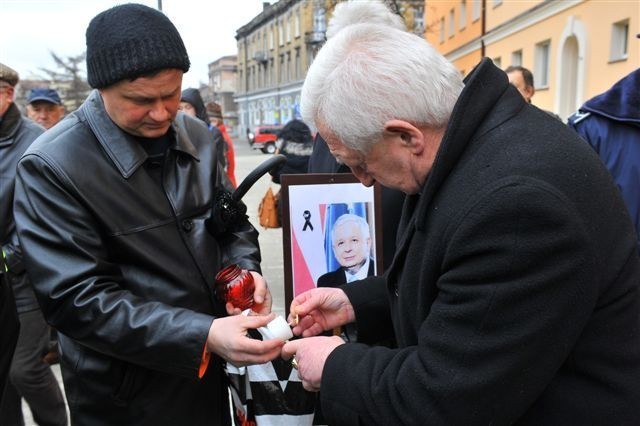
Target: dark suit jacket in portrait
point(338, 277)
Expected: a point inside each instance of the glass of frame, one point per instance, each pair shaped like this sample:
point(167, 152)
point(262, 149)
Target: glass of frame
point(332, 231)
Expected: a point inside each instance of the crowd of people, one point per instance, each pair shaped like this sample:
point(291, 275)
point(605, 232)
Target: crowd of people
point(511, 284)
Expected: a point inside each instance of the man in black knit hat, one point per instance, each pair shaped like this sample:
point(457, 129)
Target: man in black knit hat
point(111, 210)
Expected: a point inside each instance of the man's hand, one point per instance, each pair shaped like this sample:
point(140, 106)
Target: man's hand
point(261, 297)
point(228, 338)
point(320, 309)
point(311, 355)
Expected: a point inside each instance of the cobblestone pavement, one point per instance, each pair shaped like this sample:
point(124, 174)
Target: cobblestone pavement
point(270, 239)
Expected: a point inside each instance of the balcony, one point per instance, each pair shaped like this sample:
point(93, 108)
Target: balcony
point(314, 37)
point(260, 56)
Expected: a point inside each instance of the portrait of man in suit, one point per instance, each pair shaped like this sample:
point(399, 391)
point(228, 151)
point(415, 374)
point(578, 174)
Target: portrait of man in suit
point(351, 243)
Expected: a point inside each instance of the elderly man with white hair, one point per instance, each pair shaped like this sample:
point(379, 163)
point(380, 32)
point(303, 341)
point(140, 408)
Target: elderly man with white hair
point(513, 295)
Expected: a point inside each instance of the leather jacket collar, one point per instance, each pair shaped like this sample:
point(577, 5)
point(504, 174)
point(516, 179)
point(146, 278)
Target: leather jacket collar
point(10, 122)
point(121, 147)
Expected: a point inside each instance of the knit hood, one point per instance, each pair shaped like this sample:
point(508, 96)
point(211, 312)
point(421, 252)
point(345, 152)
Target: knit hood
point(193, 97)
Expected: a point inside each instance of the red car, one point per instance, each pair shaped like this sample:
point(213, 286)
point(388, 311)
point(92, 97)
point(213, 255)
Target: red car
point(264, 138)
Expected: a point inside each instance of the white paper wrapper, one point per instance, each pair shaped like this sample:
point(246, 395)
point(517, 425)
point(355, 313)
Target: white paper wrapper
point(277, 329)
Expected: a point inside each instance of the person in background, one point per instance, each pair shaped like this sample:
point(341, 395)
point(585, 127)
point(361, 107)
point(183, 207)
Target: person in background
point(191, 104)
point(516, 261)
point(30, 376)
point(351, 243)
point(296, 144)
point(522, 79)
point(610, 123)
point(112, 209)
point(214, 111)
point(44, 107)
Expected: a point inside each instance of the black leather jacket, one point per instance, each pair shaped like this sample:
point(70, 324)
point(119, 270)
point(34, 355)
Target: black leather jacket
point(123, 268)
point(16, 134)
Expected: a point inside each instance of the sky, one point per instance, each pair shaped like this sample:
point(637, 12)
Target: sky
point(30, 29)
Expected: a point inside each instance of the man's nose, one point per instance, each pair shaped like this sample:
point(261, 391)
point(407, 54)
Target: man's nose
point(365, 178)
point(159, 112)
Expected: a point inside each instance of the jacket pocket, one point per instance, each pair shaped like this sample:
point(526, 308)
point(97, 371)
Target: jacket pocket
point(126, 386)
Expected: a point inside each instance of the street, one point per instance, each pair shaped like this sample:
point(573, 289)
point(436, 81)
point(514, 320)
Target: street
point(270, 239)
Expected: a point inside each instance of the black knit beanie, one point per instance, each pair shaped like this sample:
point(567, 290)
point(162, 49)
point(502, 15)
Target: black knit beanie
point(131, 40)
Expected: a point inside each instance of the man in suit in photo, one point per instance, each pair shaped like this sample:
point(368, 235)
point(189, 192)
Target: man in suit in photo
point(351, 242)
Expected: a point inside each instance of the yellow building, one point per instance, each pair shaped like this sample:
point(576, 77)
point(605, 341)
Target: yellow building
point(576, 49)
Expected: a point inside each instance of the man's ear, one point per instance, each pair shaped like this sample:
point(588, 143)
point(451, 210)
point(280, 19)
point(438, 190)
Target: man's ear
point(530, 91)
point(409, 134)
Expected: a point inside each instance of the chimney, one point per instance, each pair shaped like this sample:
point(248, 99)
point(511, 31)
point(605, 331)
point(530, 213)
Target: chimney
point(265, 5)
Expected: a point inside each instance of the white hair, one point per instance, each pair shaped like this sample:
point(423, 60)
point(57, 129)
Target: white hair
point(368, 74)
point(349, 217)
point(355, 12)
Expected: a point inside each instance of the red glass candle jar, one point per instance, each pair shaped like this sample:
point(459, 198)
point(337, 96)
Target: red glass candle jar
point(235, 285)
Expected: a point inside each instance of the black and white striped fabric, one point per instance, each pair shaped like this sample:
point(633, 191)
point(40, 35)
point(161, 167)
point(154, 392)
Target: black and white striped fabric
point(270, 394)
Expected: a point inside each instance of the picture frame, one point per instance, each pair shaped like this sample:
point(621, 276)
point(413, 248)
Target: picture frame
point(311, 204)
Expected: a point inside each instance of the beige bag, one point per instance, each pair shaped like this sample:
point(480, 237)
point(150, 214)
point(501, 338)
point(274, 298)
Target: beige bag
point(268, 210)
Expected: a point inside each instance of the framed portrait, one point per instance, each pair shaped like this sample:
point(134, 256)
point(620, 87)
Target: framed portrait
point(332, 231)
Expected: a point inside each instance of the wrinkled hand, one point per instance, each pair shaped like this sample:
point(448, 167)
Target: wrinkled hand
point(320, 309)
point(311, 355)
point(228, 338)
point(261, 297)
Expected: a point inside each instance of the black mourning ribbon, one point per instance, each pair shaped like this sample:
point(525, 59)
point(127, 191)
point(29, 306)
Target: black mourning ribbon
point(227, 210)
point(307, 216)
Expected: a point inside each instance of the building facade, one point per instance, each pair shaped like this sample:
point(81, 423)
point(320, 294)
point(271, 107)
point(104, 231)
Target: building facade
point(576, 49)
point(276, 49)
point(274, 52)
point(222, 88)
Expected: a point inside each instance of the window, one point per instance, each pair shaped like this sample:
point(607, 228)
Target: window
point(452, 23)
point(280, 34)
point(271, 30)
point(516, 58)
point(442, 30)
point(542, 56)
point(319, 20)
point(619, 41)
point(298, 65)
point(497, 61)
point(477, 8)
point(288, 29)
point(272, 75)
point(282, 68)
point(463, 14)
point(296, 24)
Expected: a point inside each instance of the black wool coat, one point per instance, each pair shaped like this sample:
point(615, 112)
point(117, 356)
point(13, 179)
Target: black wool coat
point(513, 295)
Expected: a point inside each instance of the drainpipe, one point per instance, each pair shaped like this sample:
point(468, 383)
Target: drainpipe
point(484, 28)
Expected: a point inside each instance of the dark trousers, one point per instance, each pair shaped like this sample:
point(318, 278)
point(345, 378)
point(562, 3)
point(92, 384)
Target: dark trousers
point(32, 378)
point(9, 328)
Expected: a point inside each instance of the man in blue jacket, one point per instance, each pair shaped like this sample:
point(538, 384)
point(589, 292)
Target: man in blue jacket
point(610, 122)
